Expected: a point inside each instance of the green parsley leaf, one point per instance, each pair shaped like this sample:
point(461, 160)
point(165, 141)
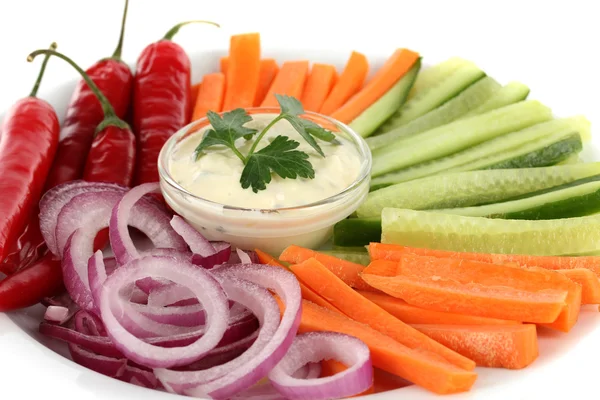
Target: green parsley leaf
point(226, 130)
point(317, 131)
point(279, 157)
point(289, 105)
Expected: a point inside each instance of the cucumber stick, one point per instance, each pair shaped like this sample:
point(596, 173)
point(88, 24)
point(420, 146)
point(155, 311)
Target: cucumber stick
point(512, 92)
point(493, 151)
point(430, 76)
point(485, 235)
point(575, 201)
point(352, 256)
point(453, 109)
point(357, 231)
point(434, 96)
point(464, 189)
point(370, 119)
point(458, 135)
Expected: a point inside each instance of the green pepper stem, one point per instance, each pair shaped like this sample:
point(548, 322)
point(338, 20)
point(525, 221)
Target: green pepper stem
point(38, 81)
point(117, 53)
point(173, 31)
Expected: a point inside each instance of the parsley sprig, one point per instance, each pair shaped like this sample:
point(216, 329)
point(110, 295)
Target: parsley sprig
point(280, 156)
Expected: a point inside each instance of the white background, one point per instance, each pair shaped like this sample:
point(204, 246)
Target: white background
point(550, 45)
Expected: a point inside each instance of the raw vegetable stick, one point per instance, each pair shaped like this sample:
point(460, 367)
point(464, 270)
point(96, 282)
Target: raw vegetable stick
point(307, 293)
point(421, 368)
point(343, 297)
point(210, 96)
point(495, 346)
point(590, 285)
point(243, 69)
point(347, 271)
point(394, 68)
point(289, 81)
point(393, 252)
point(414, 315)
point(349, 83)
point(268, 72)
point(223, 64)
point(523, 278)
point(472, 299)
point(332, 367)
point(320, 81)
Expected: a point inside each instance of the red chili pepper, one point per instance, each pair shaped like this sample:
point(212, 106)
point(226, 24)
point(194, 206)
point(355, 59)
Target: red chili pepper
point(28, 141)
point(161, 91)
point(84, 113)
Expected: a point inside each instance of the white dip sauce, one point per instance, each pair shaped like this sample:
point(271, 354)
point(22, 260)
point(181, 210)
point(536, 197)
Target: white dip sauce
point(215, 176)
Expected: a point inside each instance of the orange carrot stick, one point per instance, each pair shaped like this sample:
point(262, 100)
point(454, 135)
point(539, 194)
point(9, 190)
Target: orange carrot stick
point(268, 72)
point(421, 368)
point(590, 284)
point(243, 69)
point(495, 346)
point(526, 278)
point(348, 301)
point(289, 81)
point(394, 68)
point(193, 96)
point(210, 96)
point(321, 80)
point(223, 64)
point(347, 271)
point(349, 82)
point(332, 367)
point(392, 252)
point(438, 294)
point(414, 315)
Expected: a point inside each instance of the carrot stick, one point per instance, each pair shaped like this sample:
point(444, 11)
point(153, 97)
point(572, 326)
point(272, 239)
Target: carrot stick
point(223, 64)
point(438, 294)
point(348, 301)
point(391, 252)
point(527, 278)
point(495, 346)
point(347, 271)
point(210, 96)
point(332, 367)
point(394, 68)
point(289, 81)
point(349, 82)
point(421, 368)
point(318, 85)
point(590, 284)
point(268, 72)
point(193, 95)
point(414, 315)
point(268, 259)
point(243, 69)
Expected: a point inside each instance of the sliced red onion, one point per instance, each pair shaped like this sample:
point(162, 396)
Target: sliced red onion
point(138, 376)
point(314, 347)
point(97, 275)
point(264, 391)
point(244, 258)
point(98, 344)
point(56, 198)
point(156, 226)
point(110, 264)
point(198, 243)
point(108, 366)
point(169, 295)
point(186, 316)
point(89, 324)
point(138, 296)
point(221, 256)
point(57, 314)
point(269, 348)
point(308, 371)
point(236, 259)
point(201, 283)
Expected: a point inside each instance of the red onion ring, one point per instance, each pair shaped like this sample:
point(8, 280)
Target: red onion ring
point(202, 284)
point(57, 314)
point(314, 347)
point(108, 366)
point(138, 376)
point(98, 344)
point(198, 243)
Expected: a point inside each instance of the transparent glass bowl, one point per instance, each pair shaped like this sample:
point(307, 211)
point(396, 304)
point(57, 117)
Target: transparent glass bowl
point(270, 230)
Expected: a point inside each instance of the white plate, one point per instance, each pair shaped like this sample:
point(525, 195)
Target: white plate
point(30, 368)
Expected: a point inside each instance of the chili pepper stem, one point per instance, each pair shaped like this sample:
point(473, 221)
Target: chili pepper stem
point(110, 117)
point(117, 53)
point(38, 81)
point(173, 31)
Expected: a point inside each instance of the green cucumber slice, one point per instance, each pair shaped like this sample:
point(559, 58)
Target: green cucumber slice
point(512, 92)
point(352, 256)
point(452, 110)
point(458, 135)
point(493, 151)
point(566, 185)
point(471, 188)
point(432, 75)
point(575, 201)
point(357, 232)
point(434, 96)
point(372, 118)
point(479, 234)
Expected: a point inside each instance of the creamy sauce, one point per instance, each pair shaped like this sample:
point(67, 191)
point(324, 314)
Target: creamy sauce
point(216, 175)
